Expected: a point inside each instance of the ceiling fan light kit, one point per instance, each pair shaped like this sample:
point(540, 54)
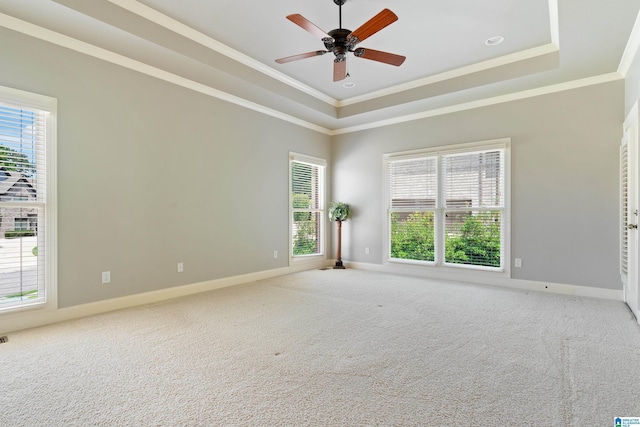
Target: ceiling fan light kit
point(341, 41)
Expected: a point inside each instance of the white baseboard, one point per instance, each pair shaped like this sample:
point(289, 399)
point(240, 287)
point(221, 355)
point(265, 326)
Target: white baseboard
point(31, 318)
point(476, 278)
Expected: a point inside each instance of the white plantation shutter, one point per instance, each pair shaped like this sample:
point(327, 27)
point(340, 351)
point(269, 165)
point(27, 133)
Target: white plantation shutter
point(23, 204)
point(624, 210)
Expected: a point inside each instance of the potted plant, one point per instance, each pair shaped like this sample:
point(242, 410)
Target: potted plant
point(339, 212)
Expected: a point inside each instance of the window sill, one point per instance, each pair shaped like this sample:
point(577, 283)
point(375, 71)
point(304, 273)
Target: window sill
point(447, 271)
point(307, 258)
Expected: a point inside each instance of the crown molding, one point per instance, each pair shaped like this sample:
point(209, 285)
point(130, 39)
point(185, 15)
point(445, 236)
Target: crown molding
point(458, 72)
point(169, 23)
point(554, 22)
point(47, 35)
point(631, 49)
point(165, 21)
point(515, 96)
point(50, 36)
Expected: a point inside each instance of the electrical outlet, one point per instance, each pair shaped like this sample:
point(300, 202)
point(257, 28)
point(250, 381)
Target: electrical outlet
point(180, 267)
point(106, 277)
point(275, 254)
point(366, 251)
point(518, 262)
point(4, 339)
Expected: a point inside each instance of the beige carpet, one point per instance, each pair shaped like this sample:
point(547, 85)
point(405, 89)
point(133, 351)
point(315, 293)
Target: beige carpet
point(331, 348)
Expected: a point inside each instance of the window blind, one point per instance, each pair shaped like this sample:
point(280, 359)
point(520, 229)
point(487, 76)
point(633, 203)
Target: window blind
point(22, 206)
point(412, 188)
point(474, 198)
point(448, 207)
point(474, 180)
point(307, 202)
point(413, 183)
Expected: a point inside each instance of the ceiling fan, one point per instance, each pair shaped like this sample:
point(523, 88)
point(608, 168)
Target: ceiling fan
point(340, 41)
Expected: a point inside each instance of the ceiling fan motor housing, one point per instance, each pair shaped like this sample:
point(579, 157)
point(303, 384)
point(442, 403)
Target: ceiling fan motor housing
point(339, 43)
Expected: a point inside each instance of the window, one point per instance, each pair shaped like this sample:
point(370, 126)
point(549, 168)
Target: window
point(20, 224)
point(449, 207)
point(27, 200)
point(306, 205)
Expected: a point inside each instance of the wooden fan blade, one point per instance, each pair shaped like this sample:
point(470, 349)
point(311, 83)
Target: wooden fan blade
point(376, 55)
point(372, 26)
point(305, 24)
point(300, 56)
point(339, 70)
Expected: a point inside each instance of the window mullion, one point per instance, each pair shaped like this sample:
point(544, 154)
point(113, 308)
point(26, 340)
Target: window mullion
point(440, 214)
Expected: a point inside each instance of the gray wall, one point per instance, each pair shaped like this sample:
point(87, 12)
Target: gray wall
point(564, 180)
point(150, 174)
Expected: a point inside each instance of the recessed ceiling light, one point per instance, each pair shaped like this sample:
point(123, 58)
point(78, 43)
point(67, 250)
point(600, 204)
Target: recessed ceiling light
point(349, 85)
point(495, 40)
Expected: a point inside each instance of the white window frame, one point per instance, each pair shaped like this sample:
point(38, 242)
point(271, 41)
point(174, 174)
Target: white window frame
point(322, 164)
point(27, 100)
point(439, 210)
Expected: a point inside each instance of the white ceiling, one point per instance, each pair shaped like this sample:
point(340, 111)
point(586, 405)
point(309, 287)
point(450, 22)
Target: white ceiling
point(227, 48)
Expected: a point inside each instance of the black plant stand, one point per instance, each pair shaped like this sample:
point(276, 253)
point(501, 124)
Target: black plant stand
point(339, 253)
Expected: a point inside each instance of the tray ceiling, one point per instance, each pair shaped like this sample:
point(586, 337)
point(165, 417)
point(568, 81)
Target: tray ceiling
point(228, 49)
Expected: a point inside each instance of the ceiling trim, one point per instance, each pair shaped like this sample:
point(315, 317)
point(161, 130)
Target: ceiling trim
point(631, 49)
point(178, 27)
point(50, 36)
point(554, 22)
point(458, 72)
point(62, 40)
point(515, 96)
point(165, 21)
point(554, 46)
